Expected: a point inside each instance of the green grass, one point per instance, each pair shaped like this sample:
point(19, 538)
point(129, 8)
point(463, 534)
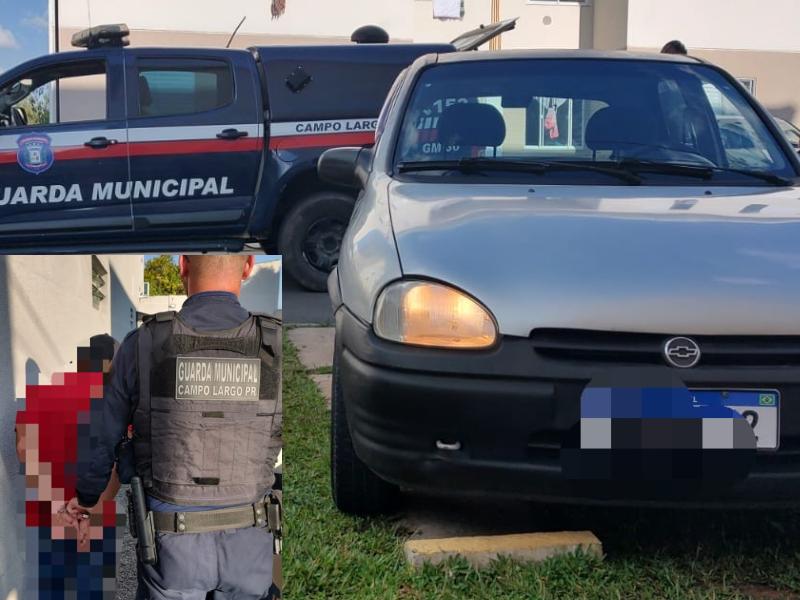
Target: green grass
point(649, 553)
point(320, 371)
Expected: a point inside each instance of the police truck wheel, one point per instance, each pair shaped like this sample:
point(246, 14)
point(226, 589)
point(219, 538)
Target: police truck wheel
point(356, 489)
point(311, 235)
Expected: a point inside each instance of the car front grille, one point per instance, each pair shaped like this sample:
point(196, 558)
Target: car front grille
point(647, 348)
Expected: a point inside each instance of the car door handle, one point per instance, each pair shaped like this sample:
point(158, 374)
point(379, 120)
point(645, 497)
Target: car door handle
point(100, 142)
point(231, 134)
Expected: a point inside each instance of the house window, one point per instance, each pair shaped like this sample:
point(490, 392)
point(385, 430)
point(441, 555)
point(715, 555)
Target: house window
point(99, 284)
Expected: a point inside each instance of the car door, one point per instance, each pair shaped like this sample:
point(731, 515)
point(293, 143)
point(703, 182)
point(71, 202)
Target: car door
point(63, 150)
point(196, 141)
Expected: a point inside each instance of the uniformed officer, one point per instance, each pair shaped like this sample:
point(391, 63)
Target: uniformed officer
point(202, 391)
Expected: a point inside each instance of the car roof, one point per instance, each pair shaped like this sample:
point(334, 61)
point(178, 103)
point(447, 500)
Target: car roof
point(565, 54)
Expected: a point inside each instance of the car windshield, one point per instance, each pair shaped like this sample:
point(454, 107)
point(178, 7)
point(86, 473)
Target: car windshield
point(585, 121)
point(791, 132)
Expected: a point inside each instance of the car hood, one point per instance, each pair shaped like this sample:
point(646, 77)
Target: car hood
point(640, 259)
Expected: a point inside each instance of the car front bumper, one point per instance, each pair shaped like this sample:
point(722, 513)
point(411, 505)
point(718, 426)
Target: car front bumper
point(509, 409)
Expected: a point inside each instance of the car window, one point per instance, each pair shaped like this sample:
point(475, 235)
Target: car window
point(793, 135)
point(742, 144)
point(791, 132)
point(193, 87)
point(63, 93)
point(587, 110)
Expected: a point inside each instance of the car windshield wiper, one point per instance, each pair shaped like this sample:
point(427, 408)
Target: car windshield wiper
point(475, 164)
point(763, 175)
point(701, 171)
point(651, 166)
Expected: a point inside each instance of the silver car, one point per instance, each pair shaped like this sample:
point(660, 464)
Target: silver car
point(566, 278)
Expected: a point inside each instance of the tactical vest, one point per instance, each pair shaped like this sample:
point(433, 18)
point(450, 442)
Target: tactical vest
point(208, 423)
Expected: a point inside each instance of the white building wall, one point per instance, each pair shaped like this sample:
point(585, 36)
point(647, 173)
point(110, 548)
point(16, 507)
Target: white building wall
point(428, 29)
point(543, 25)
point(773, 25)
point(150, 305)
point(262, 290)
point(52, 311)
point(539, 25)
point(713, 24)
point(126, 278)
point(323, 18)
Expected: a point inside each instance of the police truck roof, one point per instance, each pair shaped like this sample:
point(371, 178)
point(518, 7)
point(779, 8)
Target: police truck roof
point(102, 36)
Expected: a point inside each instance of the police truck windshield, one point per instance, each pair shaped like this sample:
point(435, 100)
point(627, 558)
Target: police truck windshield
point(583, 120)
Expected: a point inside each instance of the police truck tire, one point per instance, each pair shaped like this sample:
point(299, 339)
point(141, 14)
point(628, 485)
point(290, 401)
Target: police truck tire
point(356, 489)
point(310, 237)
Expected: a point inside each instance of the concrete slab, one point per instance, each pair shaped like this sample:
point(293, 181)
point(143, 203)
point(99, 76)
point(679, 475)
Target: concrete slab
point(323, 382)
point(314, 345)
point(481, 550)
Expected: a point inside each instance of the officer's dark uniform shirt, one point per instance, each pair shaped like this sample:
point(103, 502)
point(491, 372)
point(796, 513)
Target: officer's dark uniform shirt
point(206, 311)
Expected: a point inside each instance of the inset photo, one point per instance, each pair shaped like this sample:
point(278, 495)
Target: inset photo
point(140, 424)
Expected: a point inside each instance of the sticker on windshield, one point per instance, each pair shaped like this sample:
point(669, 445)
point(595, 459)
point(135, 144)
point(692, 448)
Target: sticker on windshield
point(35, 154)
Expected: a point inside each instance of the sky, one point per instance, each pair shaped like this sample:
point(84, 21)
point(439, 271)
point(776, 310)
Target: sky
point(23, 31)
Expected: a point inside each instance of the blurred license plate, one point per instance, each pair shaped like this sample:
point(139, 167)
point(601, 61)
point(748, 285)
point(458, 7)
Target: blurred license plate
point(759, 407)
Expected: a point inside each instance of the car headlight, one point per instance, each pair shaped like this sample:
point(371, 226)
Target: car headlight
point(424, 313)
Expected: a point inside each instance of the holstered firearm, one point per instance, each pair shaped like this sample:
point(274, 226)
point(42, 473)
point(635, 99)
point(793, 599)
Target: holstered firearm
point(274, 516)
point(145, 533)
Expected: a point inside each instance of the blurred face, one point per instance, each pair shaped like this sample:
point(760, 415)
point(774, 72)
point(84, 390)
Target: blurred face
point(95, 359)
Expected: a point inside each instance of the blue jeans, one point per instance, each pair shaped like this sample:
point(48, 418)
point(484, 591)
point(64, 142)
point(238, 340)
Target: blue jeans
point(66, 573)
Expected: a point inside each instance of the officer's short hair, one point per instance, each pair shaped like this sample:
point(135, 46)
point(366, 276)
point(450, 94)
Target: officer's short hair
point(216, 262)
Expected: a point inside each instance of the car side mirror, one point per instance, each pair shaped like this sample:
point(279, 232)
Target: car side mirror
point(20, 89)
point(348, 167)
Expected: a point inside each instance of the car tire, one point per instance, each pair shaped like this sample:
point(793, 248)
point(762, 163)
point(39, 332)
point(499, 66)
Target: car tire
point(310, 237)
point(356, 489)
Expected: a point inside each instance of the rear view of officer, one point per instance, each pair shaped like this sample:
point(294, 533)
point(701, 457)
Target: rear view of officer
point(202, 389)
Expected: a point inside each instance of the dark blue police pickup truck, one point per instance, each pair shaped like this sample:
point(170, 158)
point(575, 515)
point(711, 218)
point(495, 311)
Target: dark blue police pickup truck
point(114, 149)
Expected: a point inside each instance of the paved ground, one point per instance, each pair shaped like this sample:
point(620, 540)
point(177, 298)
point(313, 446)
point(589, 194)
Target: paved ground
point(303, 307)
point(314, 345)
point(126, 561)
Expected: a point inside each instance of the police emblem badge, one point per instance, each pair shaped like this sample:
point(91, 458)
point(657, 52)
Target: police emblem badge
point(35, 154)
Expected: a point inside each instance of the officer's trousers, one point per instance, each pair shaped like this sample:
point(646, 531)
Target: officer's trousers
point(231, 565)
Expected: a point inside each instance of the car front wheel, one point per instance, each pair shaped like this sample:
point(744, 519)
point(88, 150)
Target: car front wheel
point(356, 489)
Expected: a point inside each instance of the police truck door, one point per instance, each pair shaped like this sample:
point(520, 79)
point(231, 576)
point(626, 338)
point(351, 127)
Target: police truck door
point(63, 150)
point(196, 140)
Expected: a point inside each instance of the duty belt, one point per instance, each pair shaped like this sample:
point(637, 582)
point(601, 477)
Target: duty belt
point(259, 514)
